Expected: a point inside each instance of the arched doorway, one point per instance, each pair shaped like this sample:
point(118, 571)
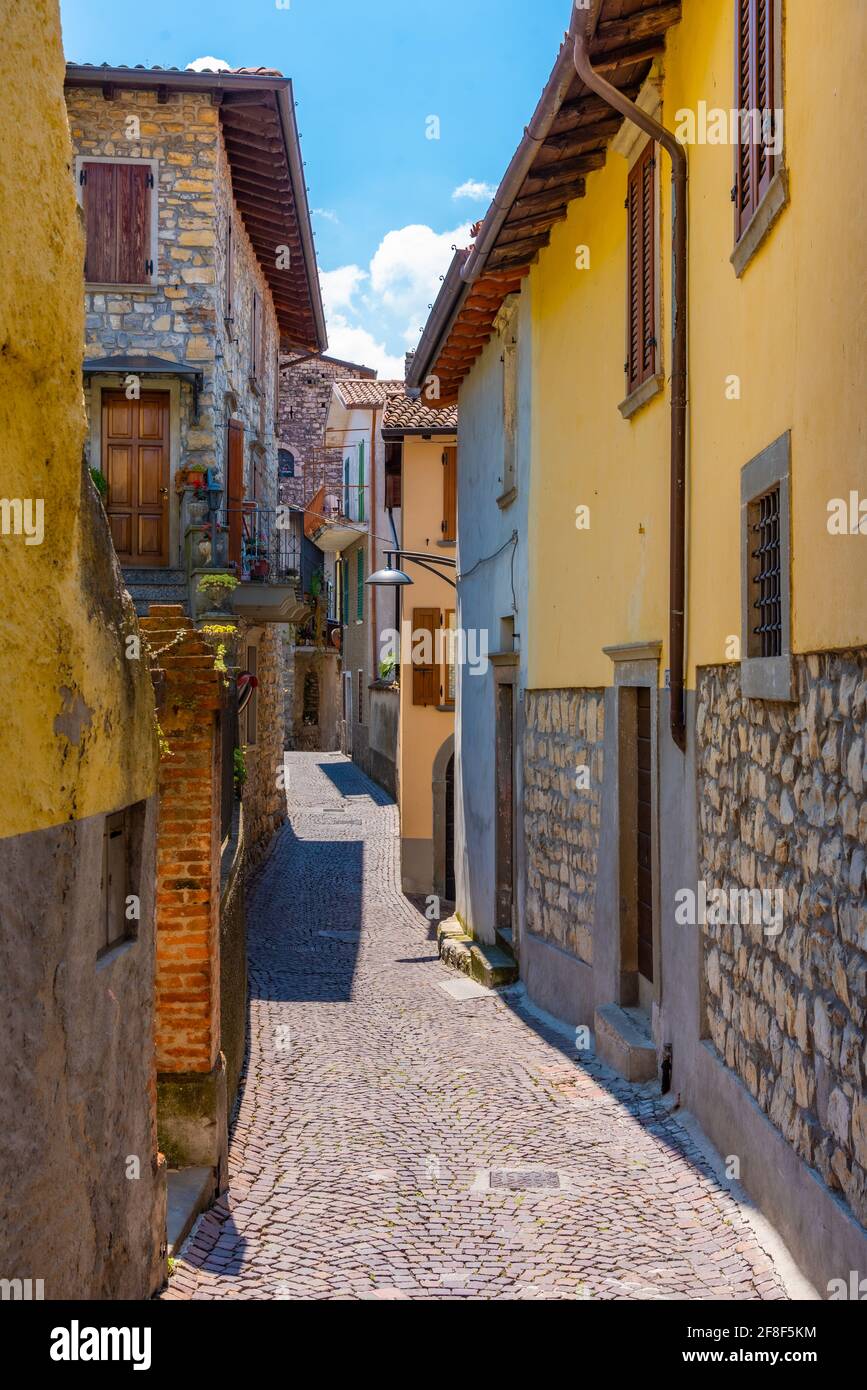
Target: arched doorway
point(443, 788)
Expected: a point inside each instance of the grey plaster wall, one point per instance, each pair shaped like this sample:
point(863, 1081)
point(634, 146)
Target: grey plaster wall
point(81, 1087)
point(485, 597)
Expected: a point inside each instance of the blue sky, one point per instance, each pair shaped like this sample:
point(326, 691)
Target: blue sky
point(367, 78)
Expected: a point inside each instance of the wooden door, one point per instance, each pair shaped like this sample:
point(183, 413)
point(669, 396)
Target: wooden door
point(135, 462)
point(235, 490)
point(644, 831)
point(505, 803)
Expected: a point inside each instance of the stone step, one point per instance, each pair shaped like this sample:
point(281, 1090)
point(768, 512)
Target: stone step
point(489, 965)
point(158, 574)
point(624, 1042)
point(505, 941)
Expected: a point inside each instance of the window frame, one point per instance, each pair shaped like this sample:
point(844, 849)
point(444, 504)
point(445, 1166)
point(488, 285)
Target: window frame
point(751, 228)
point(131, 820)
point(767, 677)
point(449, 666)
point(449, 523)
point(149, 285)
point(648, 385)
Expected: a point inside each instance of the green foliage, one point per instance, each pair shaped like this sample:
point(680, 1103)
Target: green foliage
point(218, 583)
point(100, 482)
point(240, 764)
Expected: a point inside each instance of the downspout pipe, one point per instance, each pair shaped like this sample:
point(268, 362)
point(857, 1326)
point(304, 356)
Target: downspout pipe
point(677, 532)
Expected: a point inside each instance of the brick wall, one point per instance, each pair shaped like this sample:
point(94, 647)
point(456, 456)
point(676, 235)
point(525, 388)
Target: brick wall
point(564, 730)
point(188, 846)
point(781, 798)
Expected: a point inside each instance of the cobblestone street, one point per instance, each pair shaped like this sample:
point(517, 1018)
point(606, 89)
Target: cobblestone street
point(393, 1141)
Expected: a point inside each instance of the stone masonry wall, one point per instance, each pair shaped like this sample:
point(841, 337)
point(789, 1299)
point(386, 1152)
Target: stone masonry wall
point(564, 730)
point(305, 395)
point(264, 799)
point(781, 798)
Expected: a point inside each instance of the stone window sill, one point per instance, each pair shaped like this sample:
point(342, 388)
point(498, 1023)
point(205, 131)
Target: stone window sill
point(774, 201)
point(96, 287)
point(767, 677)
point(641, 395)
point(445, 709)
point(447, 545)
point(507, 498)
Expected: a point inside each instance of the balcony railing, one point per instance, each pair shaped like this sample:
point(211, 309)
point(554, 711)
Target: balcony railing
point(258, 547)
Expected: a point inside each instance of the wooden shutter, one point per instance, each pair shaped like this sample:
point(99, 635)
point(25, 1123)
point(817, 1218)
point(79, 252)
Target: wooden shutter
point(117, 214)
point(425, 675)
point(359, 586)
point(360, 511)
point(133, 223)
point(755, 87)
point(235, 488)
point(641, 287)
point(100, 217)
point(450, 494)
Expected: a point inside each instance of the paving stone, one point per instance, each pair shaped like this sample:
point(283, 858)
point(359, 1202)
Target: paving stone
point(373, 1101)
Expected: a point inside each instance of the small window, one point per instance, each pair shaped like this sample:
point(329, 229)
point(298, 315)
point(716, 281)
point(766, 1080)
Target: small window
point(256, 338)
point(766, 661)
point(251, 713)
point(449, 657)
point(425, 671)
point(359, 587)
point(119, 907)
point(393, 463)
point(285, 463)
point(118, 210)
point(641, 359)
point(229, 271)
point(450, 494)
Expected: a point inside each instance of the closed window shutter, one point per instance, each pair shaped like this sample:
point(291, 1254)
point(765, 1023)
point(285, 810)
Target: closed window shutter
point(755, 89)
point(360, 513)
point(641, 271)
point(450, 494)
point(133, 223)
point(359, 592)
point(425, 675)
point(100, 217)
point(117, 214)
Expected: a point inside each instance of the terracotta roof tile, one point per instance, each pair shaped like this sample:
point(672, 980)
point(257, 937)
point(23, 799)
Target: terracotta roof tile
point(368, 393)
point(401, 413)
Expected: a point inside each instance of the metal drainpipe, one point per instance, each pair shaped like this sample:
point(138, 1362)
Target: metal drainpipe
point(677, 540)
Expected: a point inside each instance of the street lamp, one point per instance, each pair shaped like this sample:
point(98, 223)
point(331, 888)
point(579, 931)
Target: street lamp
point(392, 578)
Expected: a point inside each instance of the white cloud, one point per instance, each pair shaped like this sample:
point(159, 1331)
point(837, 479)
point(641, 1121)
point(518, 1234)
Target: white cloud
point(327, 214)
point(209, 64)
point(374, 314)
point(475, 189)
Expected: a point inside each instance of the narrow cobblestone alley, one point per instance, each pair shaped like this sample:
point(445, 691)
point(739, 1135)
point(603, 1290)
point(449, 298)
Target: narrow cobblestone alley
point(393, 1141)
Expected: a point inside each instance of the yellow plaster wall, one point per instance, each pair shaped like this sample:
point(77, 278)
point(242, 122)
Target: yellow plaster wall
point(77, 734)
point(791, 328)
point(423, 729)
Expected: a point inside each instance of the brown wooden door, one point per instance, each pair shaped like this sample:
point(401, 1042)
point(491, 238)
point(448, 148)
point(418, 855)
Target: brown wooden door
point(135, 462)
point(235, 489)
point(505, 805)
point(644, 827)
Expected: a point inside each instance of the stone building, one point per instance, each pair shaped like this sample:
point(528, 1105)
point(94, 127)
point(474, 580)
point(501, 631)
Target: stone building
point(352, 520)
point(82, 1184)
point(199, 269)
point(305, 464)
point(673, 827)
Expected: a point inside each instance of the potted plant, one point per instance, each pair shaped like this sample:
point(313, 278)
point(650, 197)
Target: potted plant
point(214, 592)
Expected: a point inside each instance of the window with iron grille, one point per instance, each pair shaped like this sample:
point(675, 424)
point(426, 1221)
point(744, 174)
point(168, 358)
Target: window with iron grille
point(766, 600)
point(766, 630)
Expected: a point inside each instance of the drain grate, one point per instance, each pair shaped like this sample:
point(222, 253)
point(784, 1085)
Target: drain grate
point(516, 1181)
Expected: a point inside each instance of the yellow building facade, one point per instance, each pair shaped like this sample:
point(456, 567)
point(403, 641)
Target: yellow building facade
point(698, 900)
point(79, 749)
